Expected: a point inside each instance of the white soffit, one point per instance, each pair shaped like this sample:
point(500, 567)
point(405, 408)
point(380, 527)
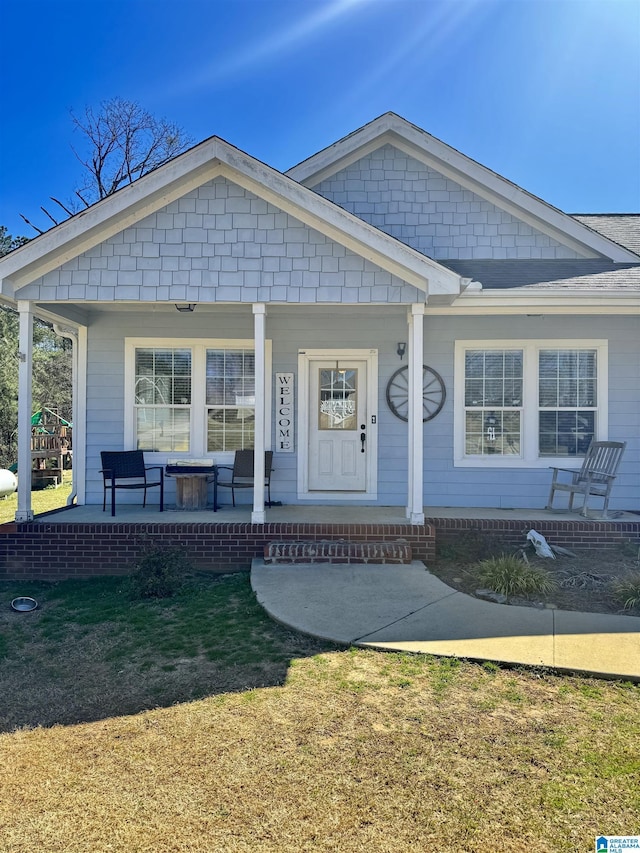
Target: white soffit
point(411, 140)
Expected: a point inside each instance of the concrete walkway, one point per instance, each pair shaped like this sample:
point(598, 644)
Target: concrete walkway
point(406, 608)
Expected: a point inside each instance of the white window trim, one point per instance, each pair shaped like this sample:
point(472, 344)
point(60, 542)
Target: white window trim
point(529, 457)
point(198, 434)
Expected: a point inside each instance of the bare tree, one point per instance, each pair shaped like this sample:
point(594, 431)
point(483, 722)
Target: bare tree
point(122, 142)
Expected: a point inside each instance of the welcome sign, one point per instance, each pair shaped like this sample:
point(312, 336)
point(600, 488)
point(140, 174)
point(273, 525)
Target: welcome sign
point(284, 413)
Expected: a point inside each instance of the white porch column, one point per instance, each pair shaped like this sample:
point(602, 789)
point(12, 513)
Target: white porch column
point(25, 365)
point(416, 431)
point(411, 403)
point(259, 315)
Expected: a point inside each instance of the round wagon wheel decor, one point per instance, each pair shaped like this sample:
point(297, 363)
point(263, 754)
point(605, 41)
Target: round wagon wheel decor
point(433, 393)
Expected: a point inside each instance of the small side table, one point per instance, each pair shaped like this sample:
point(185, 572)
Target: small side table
point(191, 485)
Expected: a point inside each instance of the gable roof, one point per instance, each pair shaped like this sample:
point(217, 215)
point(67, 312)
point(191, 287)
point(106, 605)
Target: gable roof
point(417, 143)
point(210, 159)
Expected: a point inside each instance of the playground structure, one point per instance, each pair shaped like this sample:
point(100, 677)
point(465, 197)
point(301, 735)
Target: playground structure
point(51, 447)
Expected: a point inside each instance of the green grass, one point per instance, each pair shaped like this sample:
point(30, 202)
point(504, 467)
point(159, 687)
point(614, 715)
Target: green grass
point(511, 576)
point(209, 616)
point(627, 591)
point(42, 500)
point(113, 650)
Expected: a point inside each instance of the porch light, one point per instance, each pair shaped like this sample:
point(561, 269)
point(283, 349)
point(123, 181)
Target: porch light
point(402, 348)
point(185, 307)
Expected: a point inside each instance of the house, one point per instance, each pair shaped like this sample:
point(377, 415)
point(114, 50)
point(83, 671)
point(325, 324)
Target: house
point(402, 326)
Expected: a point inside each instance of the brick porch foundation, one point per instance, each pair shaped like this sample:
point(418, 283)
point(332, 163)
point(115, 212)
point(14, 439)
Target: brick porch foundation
point(55, 550)
point(570, 533)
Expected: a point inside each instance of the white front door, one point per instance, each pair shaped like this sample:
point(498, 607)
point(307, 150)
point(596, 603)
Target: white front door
point(337, 425)
point(337, 416)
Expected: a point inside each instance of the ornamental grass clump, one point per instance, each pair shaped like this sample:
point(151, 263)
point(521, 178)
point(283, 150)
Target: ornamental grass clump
point(509, 575)
point(159, 571)
point(627, 591)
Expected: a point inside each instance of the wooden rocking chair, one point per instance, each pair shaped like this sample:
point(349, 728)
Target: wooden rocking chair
point(596, 476)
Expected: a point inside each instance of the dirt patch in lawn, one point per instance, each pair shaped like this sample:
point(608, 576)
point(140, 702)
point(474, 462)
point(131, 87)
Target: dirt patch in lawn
point(584, 582)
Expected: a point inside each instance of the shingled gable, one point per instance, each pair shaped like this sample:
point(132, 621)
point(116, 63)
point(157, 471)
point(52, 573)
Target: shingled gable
point(393, 130)
point(211, 159)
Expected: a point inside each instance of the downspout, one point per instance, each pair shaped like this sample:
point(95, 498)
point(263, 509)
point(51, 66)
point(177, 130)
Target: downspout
point(77, 417)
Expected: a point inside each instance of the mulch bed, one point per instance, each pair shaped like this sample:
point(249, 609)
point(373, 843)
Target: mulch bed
point(584, 582)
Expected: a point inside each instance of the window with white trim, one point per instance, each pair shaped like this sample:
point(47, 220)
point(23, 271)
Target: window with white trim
point(162, 398)
point(231, 399)
point(195, 398)
point(568, 396)
point(522, 403)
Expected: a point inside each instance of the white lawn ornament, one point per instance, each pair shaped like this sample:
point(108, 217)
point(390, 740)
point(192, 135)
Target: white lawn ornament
point(540, 544)
point(8, 482)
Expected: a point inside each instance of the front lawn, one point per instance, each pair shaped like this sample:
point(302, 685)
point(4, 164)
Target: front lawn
point(198, 724)
point(42, 500)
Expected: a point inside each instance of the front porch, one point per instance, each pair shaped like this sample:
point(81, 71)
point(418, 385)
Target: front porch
point(83, 541)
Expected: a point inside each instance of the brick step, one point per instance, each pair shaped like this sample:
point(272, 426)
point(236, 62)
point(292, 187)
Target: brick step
point(328, 551)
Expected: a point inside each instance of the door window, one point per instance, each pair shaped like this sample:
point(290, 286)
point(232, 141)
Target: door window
point(338, 404)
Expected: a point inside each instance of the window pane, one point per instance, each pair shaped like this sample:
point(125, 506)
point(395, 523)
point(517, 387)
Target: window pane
point(230, 398)
point(587, 392)
point(490, 432)
point(493, 377)
point(337, 406)
point(548, 393)
point(474, 392)
point(567, 392)
point(162, 429)
point(575, 373)
point(230, 429)
point(566, 433)
point(474, 364)
point(567, 382)
point(493, 384)
point(163, 376)
point(162, 382)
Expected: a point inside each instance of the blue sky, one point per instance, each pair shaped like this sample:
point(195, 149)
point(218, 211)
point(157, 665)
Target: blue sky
point(544, 92)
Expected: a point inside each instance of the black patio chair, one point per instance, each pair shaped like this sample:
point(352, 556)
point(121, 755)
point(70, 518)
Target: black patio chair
point(125, 469)
point(242, 473)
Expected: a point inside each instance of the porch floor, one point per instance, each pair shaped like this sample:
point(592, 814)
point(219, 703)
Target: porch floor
point(313, 514)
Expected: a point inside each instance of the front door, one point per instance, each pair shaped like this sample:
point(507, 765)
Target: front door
point(338, 423)
point(337, 419)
